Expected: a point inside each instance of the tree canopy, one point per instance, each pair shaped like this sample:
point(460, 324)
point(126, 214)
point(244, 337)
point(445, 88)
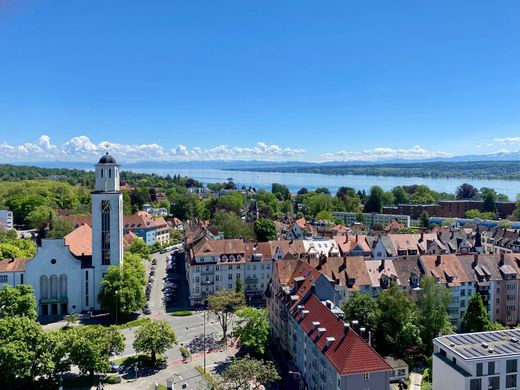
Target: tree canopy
point(252, 329)
point(224, 304)
point(154, 337)
point(248, 373)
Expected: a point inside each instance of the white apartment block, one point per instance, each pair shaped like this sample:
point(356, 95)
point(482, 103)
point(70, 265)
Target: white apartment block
point(6, 219)
point(477, 361)
point(372, 219)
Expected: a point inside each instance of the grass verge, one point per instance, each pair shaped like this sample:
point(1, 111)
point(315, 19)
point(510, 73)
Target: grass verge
point(208, 377)
point(181, 313)
point(134, 323)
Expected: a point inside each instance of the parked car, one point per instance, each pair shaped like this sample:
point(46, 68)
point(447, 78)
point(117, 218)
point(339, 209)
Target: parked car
point(114, 367)
point(147, 310)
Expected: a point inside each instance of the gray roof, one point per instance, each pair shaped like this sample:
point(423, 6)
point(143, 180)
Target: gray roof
point(107, 159)
point(468, 346)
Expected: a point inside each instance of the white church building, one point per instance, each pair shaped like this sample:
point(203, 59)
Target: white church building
point(66, 273)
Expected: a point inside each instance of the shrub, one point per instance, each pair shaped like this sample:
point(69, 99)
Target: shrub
point(185, 352)
point(112, 380)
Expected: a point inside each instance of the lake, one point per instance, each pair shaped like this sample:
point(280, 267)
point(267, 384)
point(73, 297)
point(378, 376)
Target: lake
point(311, 181)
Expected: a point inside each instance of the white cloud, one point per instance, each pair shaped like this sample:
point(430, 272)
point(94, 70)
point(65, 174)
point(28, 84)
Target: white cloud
point(81, 148)
point(377, 154)
point(507, 140)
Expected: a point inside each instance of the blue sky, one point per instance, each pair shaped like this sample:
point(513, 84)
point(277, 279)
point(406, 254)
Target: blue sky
point(278, 80)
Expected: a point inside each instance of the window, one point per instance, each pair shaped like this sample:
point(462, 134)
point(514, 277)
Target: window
point(197, 279)
point(3, 278)
point(462, 293)
point(238, 276)
point(511, 380)
point(230, 276)
point(479, 369)
point(217, 278)
point(462, 303)
point(493, 382)
point(475, 384)
point(105, 232)
point(86, 288)
point(365, 376)
point(491, 368)
point(217, 268)
point(230, 286)
point(512, 366)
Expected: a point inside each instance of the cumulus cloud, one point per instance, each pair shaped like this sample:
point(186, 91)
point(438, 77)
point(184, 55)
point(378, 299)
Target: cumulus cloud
point(507, 140)
point(81, 148)
point(376, 154)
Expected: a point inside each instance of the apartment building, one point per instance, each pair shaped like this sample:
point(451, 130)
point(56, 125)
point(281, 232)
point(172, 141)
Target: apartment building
point(477, 361)
point(372, 219)
point(6, 219)
point(215, 265)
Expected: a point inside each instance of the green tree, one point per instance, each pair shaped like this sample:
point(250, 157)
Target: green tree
point(397, 330)
point(122, 290)
point(17, 301)
point(23, 350)
point(232, 225)
point(139, 247)
point(424, 220)
point(154, 337)
point(57, 349)
point(324, 216)
point(476, 318)
point(265, 230)
point(224, 304)
point(489, 197)
point(432, 302)
point(516, 213)
point(40, 216)
point(268, 204)
point(252, 329)
point(231, 202)
point(247, 373)
point(127, 203)
point(374, 203)
point(363, 308)
point(60, 227)
point(280, 191)
point(239, 285)
point(400, 195)
point(90, 347)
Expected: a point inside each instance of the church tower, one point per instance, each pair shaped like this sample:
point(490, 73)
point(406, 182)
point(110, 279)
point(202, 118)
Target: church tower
point(107, 220)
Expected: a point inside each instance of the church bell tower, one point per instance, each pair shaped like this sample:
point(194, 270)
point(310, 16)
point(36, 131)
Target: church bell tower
point(107, 220)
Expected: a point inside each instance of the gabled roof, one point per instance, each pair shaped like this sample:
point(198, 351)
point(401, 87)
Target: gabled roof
point(349, 354)
point(79, 241)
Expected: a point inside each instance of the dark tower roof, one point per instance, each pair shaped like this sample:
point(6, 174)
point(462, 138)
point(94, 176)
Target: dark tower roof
point(107, 159)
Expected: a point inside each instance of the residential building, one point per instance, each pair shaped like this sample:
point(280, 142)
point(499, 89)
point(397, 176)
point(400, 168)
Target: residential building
point(372, 219)
point(477, 361)
point(328, 353)
point(6, 219)
point(12, 272)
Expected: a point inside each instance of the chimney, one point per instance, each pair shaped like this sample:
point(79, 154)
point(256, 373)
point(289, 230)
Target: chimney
point(362, 332)
point(345, 261)
point(321, 331)
point(346, 328)
point(315, 324)
point(304, 313)
point(382, 265)
point(438, 260)
point(502, 258)
point(355, 326)
point(357, 237)
point(422, 237)
point(475, 260)
point(330, 340)
point(346, 238)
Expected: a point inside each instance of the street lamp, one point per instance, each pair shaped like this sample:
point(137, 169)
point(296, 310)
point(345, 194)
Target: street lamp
point(204, 316)
point(135, 368)
point(117, 291)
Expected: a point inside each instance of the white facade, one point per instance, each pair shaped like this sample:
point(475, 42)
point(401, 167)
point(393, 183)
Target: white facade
point(477, 361)
point(107, 220)
point(60, 285)
point(6, 218)
point(372, 219)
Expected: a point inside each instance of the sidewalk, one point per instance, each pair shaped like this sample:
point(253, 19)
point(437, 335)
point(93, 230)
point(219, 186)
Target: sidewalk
point(179, 371)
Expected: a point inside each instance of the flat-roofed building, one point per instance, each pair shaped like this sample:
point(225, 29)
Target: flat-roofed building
point(477, 361)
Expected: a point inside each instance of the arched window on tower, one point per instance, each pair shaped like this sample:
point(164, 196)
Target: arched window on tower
point(105, 232)
point(109, 172)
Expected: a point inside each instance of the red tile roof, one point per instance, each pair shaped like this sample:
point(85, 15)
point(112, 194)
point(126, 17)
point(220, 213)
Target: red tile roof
point(348, 354)
point(13, 265)
point(80, 241)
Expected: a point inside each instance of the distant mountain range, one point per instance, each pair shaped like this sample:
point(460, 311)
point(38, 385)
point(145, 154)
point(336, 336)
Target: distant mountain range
point(255, 164)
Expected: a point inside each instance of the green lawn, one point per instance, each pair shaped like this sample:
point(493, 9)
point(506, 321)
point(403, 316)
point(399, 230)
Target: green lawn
point(134, 323)
point(181, 313)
